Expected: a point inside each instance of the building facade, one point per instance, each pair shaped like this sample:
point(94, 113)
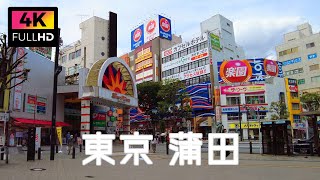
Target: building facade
point(300, 56)
point(92, 47)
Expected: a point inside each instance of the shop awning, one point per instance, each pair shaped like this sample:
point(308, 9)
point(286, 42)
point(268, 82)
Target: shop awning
point(23, 121)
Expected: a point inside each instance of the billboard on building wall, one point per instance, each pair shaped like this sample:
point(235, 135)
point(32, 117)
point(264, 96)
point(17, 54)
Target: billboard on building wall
point(144, 63)
point(292, 85)
point(233, 90)
point(43, 51)
point(199, 71)
point(215, 42)
point(165, 28)
point(157, 26)
point(184, 45)
point(248, 70)
point(137, 37)
point(203, 53)
point(126, 58)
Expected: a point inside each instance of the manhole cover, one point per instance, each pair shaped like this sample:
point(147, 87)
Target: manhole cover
point(37, 169)
point(89, 176)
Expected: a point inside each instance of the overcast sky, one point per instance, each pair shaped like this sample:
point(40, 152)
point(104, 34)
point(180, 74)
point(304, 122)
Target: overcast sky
point(259, 24)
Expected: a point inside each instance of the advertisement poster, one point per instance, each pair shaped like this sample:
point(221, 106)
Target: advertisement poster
point(38, 137)
point(215, 42)
point(36, 104)
point(137, 37)
point(232, 90)
point(59, 134)
point(165, 28)
point(248, 70)
point(151, 29)
point(99, 118)
point(18, 88)
point(43, 51)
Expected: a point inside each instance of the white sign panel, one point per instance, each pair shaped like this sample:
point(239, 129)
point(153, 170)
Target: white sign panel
point(18, 89)
point(4, 117)
point(144, 74)
point(191, 73)
point(38, 137)
point(2, 141)
point(151, 29)
point(185, 45)
point(186, 59)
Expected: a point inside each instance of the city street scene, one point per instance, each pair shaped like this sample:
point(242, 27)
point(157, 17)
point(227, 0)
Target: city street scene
point(159, 90)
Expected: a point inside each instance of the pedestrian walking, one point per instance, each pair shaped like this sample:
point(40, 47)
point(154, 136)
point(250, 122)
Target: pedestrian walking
point(154, 144)
point(71, 144)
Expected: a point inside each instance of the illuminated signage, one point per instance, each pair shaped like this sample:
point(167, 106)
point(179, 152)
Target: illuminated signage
point(259, 88)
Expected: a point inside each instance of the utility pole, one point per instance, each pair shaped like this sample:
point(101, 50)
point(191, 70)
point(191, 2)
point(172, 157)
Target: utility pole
point(57, 70)
point(240, 119)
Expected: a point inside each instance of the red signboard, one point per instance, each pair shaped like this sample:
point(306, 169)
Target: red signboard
point(293, 88)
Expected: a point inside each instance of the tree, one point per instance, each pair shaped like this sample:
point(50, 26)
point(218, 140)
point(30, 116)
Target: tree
point(310, 101)
point(280, 109)
point(8, 65)
point(174, 99)
point(148, 95)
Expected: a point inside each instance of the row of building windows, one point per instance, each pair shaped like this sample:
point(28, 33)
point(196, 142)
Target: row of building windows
point(294, 71)
point(295, 49)
point(288, 51)
point(185, 52)
point(186, 67)
point(235, 116)
point(295, 106)
point(197, 80)
point(75, 54)
point(259, 99)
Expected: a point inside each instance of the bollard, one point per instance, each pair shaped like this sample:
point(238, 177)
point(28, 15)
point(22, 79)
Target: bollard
point(73, 152)
point(167, 147)
point(311, 149)
point(250, 143)
point(57, 149)
point(39, 153)
point(2, 154)
point(7, 155)
point(80, 146)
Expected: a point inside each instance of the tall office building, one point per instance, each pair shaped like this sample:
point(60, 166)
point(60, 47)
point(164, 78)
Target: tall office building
point(299, 55)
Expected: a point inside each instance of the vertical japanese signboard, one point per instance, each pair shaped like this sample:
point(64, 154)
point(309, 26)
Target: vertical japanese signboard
point(215, 42)
point(18, 87)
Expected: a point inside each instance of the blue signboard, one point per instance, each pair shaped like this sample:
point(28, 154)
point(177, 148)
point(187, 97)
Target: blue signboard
point(291, 61)
point(165, 28)
point(312, 56)
point(137, 37)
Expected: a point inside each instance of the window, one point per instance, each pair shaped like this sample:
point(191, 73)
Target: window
point(310, 45)
point(255, 99)
point(71, 70)
point(233, 116)
point(205, 44)
point(228, 24)
point(256, 116)
point(314, 67)
point(176, 70)
point(315, 79)
point(296, 118)
point(294, 94)
point(295, 106)
point(231, 58)
point(71, 56)
point(78, 53)
point(64, 59)
point(207, 61)
point(288, 51)
point(233, 100)
point(301, 81)
point(1, 99)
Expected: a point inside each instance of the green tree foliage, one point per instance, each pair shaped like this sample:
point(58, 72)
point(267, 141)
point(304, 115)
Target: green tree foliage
point(148, 95)
point(310, 101)
point(280, 110)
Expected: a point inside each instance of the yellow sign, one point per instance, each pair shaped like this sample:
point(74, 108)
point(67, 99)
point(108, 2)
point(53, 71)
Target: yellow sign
point(244, 125)
point(59, 134)
point(143, 57)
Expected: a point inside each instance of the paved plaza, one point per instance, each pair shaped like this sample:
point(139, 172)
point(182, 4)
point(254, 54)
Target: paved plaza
point(252, 167)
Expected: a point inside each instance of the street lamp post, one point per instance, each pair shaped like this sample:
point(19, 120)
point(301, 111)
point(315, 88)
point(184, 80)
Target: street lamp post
point(240, 119)
point(247, 113)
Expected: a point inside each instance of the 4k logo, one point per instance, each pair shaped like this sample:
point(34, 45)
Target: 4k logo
point(33, 26)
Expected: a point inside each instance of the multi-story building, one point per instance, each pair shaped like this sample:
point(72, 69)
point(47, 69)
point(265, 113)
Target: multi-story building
point(194, 62)
point(92, 47)
point(299, 54)
point(223, 27)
